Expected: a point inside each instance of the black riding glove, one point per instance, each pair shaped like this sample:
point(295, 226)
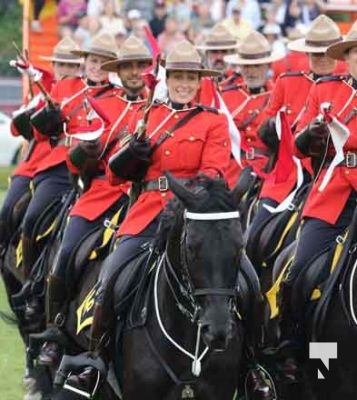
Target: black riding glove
point(268, 134)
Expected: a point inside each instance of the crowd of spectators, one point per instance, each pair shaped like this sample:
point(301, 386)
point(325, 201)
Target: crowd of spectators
point(172, 20)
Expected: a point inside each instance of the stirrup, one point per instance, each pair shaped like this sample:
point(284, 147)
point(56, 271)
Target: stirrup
point(268, 380)
point(87, 394)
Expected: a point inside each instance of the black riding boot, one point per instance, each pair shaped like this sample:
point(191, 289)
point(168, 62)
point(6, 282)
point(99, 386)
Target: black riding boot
point(29, 255)
point(258, 384)
point(86, 379)
point(53, 337)
point(290, 340)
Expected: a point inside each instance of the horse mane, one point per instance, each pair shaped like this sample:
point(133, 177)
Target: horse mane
point(212, 196)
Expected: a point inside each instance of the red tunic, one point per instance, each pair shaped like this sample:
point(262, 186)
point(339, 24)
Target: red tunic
point(297, 61)
point(70, 93)
point(291, 91)
point(328, 204)
point(200, 146)
point(28, 166)
point(293, 61)
point(247, 110)
point(101, 194)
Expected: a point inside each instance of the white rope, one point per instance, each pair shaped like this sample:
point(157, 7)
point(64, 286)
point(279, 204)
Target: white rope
point(196, 364)
point(353, 314)
point(211, 216)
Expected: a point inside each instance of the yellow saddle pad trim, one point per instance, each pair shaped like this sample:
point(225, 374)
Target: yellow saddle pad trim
point(286, 230)
point(19, 254)
point(316, 294)
point(83, 319)
point(47, 232)
point(108, 233)
point(272, 293)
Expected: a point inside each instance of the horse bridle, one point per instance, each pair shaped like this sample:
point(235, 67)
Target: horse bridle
point(232, 293)
point(190, 293)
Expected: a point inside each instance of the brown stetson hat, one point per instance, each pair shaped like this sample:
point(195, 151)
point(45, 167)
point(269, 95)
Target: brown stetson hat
point(102, 44)
point(337, 51)
point(322, 33)
point(132, 49)
point(254, 50)
point(62, 52)
point(219, 38)
point(185, 57)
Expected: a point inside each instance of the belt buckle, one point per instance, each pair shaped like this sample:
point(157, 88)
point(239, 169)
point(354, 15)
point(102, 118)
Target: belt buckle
point(163, 184)
point(351, 160)
point(250, 154)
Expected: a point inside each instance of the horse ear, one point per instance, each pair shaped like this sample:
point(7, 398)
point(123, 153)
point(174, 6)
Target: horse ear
point(182, 192)
point(245, 182)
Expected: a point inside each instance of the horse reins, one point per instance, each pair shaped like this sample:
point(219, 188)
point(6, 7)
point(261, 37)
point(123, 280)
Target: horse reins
point(191, 293)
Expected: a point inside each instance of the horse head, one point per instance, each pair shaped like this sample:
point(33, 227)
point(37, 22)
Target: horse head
point(206, 254)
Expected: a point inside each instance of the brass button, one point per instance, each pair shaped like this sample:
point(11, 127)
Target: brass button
point(167, 152)
point(250, 111)
point(225, 144)
point(191, 138)
point(163, 194)
point(249, 128)
point(79, 117)
point(347, 172)
point(176, 116)
point(288, 112)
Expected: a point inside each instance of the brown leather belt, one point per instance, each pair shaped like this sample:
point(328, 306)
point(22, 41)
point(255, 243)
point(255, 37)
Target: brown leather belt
point(160, 184)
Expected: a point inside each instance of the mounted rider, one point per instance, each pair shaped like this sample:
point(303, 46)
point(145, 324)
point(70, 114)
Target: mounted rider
point(246, 102)
point(290, 93)
point(219, 43)
point(88, 159)
point(332, 200)
point(63, 64)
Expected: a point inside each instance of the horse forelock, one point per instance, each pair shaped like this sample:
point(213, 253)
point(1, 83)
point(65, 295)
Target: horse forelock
point(212, 196)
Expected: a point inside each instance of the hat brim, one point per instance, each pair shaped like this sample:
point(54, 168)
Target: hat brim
point(113, 66)
point(227, 47)
point(235, 59)
point(301, 46)
point(337, 51)
point(84, 53)
point(62, 60)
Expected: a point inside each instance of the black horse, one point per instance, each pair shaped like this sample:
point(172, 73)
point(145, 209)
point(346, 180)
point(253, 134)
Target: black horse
point(335, 321)
point(191, 344)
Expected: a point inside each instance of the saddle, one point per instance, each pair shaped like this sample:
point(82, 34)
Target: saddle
point(248, 287)
point(275, 232)
point(312, 281)
point(132, 290)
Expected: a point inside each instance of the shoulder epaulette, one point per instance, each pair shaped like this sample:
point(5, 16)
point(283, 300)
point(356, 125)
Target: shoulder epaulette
point(292, 73)
point(331, 78)
point(208, 108)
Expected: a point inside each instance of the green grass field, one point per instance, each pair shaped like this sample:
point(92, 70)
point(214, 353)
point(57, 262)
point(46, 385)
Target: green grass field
point(11, 352)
